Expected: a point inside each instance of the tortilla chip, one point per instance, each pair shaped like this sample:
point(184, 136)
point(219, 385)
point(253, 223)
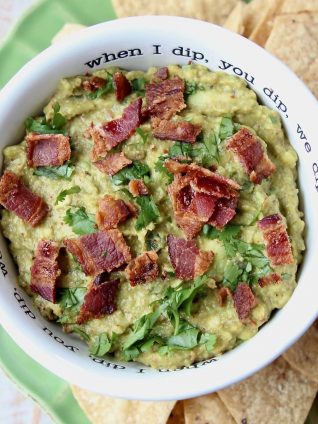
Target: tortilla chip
point(66, 31)
point(215, 11)
point(303, 355)
point(177, 414)
point(235, 20)
point(295, 6)
point(294, 40)
point(102, 409)
point(206, 410)
point(277, 392)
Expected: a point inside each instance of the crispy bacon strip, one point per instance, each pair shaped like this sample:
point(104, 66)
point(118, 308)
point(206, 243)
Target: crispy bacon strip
point(112, 133)
point(143, 269)
point(224, 293)
point(161, 73)
point(17, 198)
point(122, 86)
point(187, 260)
point(138, 188)
point(100, 252)
point(112, 212)
point(45, 270)
point(47, 149)
point(276, 239)
point(100, 300)
point(244, 300)
point(177, 131)
point(113, 163)
point(201, 196)
point(251, 154)
point(269, 279)
point(165, 99)
point(93, 83)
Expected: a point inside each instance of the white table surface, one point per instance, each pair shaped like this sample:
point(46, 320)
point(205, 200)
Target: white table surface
point(15, 407)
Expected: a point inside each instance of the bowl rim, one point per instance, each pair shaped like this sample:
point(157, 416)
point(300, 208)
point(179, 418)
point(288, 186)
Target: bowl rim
point(172, 385)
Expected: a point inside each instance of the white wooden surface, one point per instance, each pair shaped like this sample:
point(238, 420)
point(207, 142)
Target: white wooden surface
point(15, 407)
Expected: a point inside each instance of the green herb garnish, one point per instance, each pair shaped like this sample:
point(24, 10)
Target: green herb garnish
point(102, 344)
point(148, 212)
point(43, 127)
point(226, 128)
point(55, 172)
point(159, 167)
point(138, 85)
point(143, 135)
point(107, 88)
point(192, 87)
point(61, 197)
point(133, 172)
point(80, 221)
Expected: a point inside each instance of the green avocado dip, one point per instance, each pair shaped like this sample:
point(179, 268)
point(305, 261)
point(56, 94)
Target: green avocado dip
point(163, 321)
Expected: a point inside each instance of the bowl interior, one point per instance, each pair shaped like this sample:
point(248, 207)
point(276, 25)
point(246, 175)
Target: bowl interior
point(138, 43)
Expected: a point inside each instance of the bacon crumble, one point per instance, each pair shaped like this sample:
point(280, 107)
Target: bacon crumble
point(250, 152)
point(244, 300)
point(17, 198)
point(47, 149)
point(161, 73)
point(112, 212)
point(93, 83)
point(269, 279)
point(143, 269)
point(112, 133)
point(224, 293)
point(276, 238)
point(45, 270)
point(175, 130)
point(100, 300)
point(122, 86)
point(138, 188)
point(187, 260)
point(99, 252)
point(113, 163)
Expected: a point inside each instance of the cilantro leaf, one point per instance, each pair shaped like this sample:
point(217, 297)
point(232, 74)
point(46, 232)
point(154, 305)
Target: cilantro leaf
point(188, 339)
point(81, 333)
point(226, 128)
point(148, 212)
point(80, 221)
point(133, 172)
point(159, 167)
point(61, 197)
point(70, 300)
point(138, 85)
point(58, 120)
point(43, 127)
point(192, 87)
point(55, 172)
point(143, 135)
point(102, 344)
point(153, 241)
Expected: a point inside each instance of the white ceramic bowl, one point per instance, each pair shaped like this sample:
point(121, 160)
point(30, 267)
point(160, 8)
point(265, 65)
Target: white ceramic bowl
point(217, 49)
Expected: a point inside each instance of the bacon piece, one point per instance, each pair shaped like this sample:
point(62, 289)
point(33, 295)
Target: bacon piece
point(122, 86)
point(47, 149)
point(224, 293)
point(17, 198)
point(178, 131)
point(112, 212)
point(138, 188)
point(99, 252)
point(244, 300)
point(269, 279)
point(199, 196)
point(187, 260)
point(251, 154)
point(113, 163)
point(93, 84)
point(112, 133)
point(165, 99)
point(162, 73)
point(100, 300)
point(143, 269)
point(45, 270)
point(276, 239)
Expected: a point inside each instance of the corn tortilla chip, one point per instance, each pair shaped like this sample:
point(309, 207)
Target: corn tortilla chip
point(276, 394)
point(215, 11)
point(294, 6)
point(235, 20)
point(303, 355)
point(294, 40)
point(66, 31)
point(177, 414)
point(207, 410)
point(102, 409)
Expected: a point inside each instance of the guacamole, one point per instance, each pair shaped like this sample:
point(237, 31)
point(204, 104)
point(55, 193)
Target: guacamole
point(168, 317)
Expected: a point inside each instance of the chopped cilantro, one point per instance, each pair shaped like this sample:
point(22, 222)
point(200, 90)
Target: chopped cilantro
point(70, 300)
point(58, 120)
point(61, 197)
point(153, 241)
point(80, 221)
point(192, 87)
point(226, 128)
point(107, 88)
point(135, 171)
point(162, 169)
point(148, 212)
point(286, 276)
point(43, 127)
point(81, 333)
point(143, 135)
point(138, 85)
point(102, 344)
point(55, 172)
point(180, 149)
